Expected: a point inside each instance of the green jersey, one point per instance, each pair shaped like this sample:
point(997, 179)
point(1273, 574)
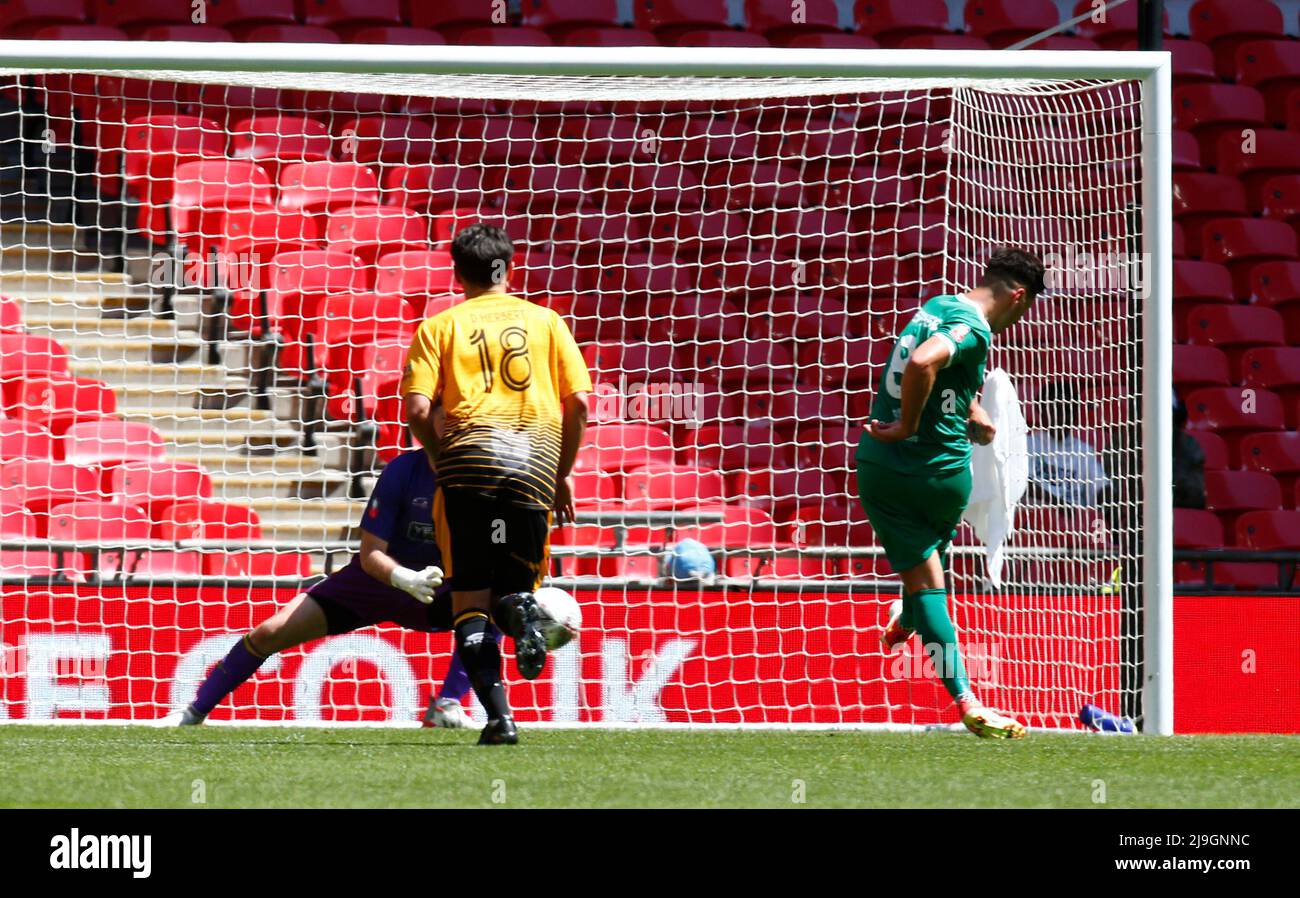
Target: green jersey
point(940, 444)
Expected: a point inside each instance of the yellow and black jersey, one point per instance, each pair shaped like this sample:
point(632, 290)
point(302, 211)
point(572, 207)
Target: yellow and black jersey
point(502, 367)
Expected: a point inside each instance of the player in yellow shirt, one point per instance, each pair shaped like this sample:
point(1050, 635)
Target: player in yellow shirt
point(512, 386)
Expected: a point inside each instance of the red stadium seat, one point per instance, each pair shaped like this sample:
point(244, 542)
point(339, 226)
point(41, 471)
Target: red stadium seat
point(835, 521)
point(638, 362)
point(230, 105)
point(1210, 111)
point(609, 37)
point(603, 139)
point(448, 16)
point(736, 447)
point(712, 37)
point(38, 483)
point(155, 146)
point(190, 33)
point(1193, 61)
point(291, 34)
point(1195, 529)
point(1065, 42)
point(1234, 329)
point(1113, 28)
point(1231, 493)
point(791, 407)
point(154, 485)
point(666, 486)
point(11, 316)
point(369, 232)
point(109, 442)
point(1246, 575)
point(1233, 415)
point(199, 519)
point(497, 36)
point(24, 439)
point(80, 33)
point(24, 355)
point(317, 187)
point(943, 42)
point(1215, 449)
point(274, 141)
point(239, 16)
point(559, 18)
point(23, 18)
point(595, 489)
point(1274, 453)
point(136, 15)
point(393, 35)
point(892, 22)
point(348, 327)
point(1196, 283)
point(618, 447)
point(419, 277)
point(1199, 197)
point(56, 403)
point(1004, 22)
point(529, 191)
point(252, 239)
point(1186, 151)
point(1267, 530)
point(1272, 68)
point(431, 188)
point(1241, 243)
point(599, 560)
point(205, 191)
point(1279, 198)
point(1270, 153)
point(827, 40)
point(774, 18)
point(1293, 110)
point(1226, 24)
point(347, 16)
point(20, 524)
point(669, 19)
point(781, 492)
point(1200, 366)
point(741, 527)
point(99, 524)
point(1277, 285)
point(387, 140)
point(1276, 369)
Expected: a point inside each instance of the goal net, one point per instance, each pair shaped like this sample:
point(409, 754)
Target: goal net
point(211, 276)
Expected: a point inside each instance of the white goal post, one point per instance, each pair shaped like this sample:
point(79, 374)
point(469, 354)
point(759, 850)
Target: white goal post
point(1006, 186)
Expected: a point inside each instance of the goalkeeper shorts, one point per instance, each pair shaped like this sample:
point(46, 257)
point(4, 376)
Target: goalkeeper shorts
point(912, 515)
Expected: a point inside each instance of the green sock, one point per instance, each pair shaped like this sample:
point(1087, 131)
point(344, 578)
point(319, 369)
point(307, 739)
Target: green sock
point(928, 615)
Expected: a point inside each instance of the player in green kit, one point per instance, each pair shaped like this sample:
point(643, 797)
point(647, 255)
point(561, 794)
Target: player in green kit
point(914, 458)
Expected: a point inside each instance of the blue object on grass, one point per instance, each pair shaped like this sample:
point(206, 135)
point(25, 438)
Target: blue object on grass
point(1104, 721)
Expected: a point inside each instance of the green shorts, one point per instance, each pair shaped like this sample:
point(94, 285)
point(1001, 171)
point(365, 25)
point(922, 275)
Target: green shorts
point(912, 515)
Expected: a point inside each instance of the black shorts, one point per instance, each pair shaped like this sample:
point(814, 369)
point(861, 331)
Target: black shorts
point(489, 543)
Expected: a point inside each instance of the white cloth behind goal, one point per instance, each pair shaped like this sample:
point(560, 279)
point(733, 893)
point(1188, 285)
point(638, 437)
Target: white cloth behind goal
point(210, 279)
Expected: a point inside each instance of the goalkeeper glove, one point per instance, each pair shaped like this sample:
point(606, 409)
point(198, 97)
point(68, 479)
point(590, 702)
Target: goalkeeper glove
point(418, 584)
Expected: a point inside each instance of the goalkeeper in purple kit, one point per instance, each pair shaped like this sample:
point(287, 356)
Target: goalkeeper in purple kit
point(396, 577)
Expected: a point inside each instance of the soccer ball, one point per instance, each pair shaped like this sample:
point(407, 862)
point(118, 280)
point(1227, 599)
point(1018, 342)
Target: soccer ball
point(561, 616)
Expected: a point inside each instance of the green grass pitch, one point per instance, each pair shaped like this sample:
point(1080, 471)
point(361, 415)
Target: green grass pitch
point(101, 766)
